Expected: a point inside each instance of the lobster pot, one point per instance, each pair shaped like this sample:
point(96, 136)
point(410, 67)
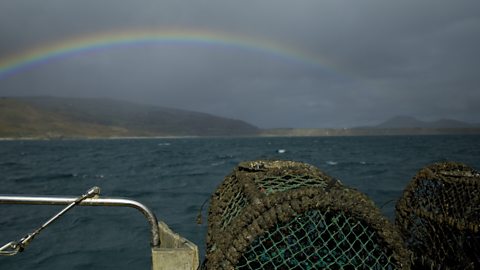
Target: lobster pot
point(290, 215)
point(439, 217)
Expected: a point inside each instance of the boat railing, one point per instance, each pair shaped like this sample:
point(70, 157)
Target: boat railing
point(169, 249)
point(91, 198)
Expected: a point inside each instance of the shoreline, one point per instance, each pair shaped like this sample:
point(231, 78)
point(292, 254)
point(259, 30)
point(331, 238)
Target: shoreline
point(95, 138)
point(293, 133)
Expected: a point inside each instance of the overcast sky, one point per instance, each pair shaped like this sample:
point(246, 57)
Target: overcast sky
point(370, 60)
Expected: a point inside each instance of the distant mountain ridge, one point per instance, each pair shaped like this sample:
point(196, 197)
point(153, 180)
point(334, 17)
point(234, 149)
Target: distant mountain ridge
point(397, 126)
point(88, 117)
point(412, 122)
point(55, 117)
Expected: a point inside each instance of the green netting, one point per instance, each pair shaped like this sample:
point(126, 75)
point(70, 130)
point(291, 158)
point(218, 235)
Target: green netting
point(439, 217)
point(282, 183)
point(234, 206)
point(318, 240)
point(238, 189)
point(290, 215)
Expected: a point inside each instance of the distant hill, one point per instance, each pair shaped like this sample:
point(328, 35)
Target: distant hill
point(412, 122)
point(400, 125)
point(53, 117)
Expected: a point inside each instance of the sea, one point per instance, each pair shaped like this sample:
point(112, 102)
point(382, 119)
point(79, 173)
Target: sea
point(174, 177)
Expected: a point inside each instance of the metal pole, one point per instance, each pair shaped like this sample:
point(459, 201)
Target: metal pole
point(119, 202)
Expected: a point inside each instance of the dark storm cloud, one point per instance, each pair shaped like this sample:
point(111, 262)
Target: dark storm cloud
point(381, 58)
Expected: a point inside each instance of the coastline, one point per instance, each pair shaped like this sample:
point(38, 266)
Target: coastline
point(40, 138)
point(266, 133)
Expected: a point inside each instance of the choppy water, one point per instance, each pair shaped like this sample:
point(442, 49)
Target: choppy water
point(173, 177)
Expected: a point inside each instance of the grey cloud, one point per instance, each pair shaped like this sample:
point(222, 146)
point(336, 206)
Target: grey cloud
point(383, 58)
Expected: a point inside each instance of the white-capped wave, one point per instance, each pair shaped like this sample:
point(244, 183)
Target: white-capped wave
point(164, 144)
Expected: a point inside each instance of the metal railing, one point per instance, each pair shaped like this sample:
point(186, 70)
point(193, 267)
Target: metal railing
point(89, 199)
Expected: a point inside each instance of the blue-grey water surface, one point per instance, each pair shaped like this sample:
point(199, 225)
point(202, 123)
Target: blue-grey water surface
point(174, 177)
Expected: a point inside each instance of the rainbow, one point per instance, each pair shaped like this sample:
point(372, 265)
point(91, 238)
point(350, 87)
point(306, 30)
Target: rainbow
point(75, 46)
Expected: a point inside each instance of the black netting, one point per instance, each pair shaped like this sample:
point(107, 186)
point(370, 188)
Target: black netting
point(439, 217)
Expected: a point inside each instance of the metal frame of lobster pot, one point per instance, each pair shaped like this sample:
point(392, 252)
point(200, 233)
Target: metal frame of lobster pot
point(438, 216)
point(290, 215)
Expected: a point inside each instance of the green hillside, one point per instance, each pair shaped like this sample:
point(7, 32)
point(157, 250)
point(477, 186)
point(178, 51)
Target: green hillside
point(50, 117)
